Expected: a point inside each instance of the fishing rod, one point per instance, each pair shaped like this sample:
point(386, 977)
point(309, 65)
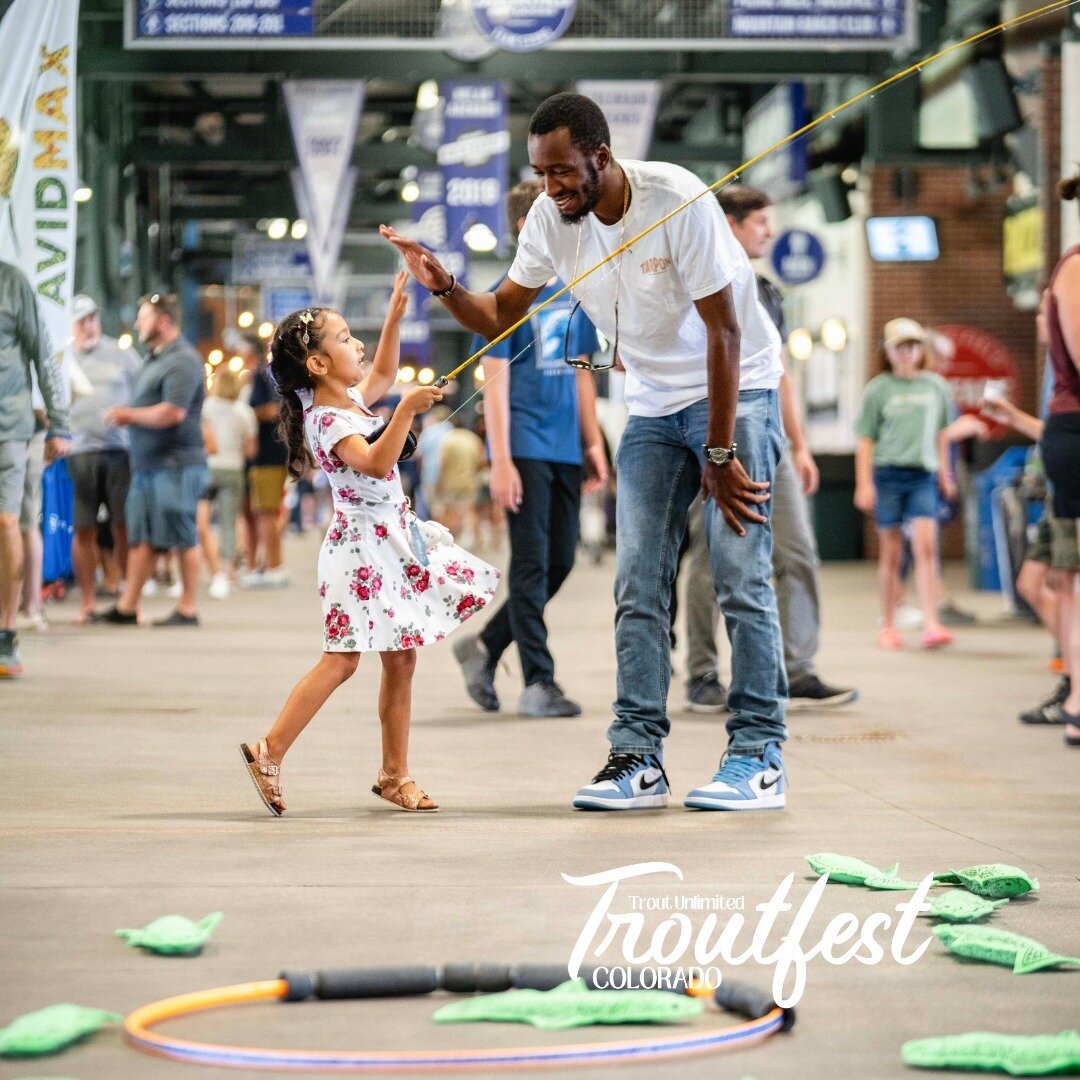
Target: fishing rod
point(1018, 20)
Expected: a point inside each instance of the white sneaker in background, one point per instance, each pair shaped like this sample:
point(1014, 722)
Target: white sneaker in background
point(253, 579)
point(36, 623)
point(174, 590)
point(908, 617)
point(219, 586)
point(275, 579)
point(150, 588)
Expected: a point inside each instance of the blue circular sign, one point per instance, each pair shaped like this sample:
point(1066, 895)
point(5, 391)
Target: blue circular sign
point(522, 25)
point(797, 257)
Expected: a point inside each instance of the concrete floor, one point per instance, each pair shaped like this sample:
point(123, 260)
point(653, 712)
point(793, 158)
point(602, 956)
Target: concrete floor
point(122, 798)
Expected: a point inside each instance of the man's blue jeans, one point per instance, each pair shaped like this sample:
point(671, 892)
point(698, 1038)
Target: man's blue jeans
point(659, 467)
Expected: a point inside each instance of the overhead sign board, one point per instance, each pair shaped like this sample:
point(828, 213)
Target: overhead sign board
point(815, 19)
point(522, 25)
point(223, 18)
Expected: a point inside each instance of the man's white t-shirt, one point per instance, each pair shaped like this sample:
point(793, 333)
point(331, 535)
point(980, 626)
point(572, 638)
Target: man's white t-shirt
point(662, 340)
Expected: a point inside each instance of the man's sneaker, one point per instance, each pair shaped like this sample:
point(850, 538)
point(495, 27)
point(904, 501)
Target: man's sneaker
point(276, 578)
point(10, 663)
point(1049, 711)
point(478, 670)
point(626, 782)
point(174, 591)
point(809, 692)
point(546, 699)
point(744, 783)
point(219, 587)
point(706, 693)
point(951, 615)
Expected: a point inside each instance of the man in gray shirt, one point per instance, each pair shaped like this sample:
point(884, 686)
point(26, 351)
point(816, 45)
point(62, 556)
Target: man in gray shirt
point(24, 347)
point(99, 468)
point(168, 463)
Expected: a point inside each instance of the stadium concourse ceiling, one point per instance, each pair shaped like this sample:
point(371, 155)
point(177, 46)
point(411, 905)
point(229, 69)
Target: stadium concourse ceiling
point(209, 123)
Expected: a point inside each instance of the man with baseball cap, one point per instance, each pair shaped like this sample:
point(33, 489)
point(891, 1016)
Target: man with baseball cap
point(99, 467)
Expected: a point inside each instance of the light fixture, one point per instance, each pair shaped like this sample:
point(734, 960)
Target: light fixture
point(124, 341)
point(215, 357)
point(265, 330)
point(410, 191)
point(245, 319)
point(834, 334)
point(427, 97)
point(478, 374)
point(480, 238)
point(850, 175)
point(800, 344)
point(425, 376)
point(236, 363)
point(406, 374)
point(82, 193)
point(209, 369)
point(299, 229)
point(277, 228)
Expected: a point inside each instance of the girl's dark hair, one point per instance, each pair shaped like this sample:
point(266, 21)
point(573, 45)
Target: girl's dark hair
point(1069, 188)
point(580, 115)
point(297, 336)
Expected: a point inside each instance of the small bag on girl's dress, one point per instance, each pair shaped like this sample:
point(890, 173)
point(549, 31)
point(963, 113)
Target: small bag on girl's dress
point(426, 535)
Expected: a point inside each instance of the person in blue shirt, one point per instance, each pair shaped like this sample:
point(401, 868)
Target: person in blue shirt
point(544, 442)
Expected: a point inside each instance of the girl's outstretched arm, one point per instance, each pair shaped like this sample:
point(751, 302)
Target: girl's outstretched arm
point(384, 367)
point(377, 459)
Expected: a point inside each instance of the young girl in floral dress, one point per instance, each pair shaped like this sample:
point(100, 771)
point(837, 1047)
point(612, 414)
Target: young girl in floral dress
point(383, 588)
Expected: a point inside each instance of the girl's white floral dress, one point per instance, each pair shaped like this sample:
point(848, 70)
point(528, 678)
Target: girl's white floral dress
point(377, 593)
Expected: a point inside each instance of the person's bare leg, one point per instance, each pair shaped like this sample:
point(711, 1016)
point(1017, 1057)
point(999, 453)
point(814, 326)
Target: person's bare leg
point(927, 577)
point(33, 566)
point(890, 550)
point(395, 712)
point(11, 569)
point(207, 539)
point(307, 698)
point(140, 565)
point(189, 560)
point(269, 538)
point(1031, 585)
point(84, 556)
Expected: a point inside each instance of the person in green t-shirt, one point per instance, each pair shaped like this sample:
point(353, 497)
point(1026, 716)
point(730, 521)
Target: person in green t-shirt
point(901, 463)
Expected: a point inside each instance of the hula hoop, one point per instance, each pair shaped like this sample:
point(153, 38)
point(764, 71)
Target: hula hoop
point(137, 1033)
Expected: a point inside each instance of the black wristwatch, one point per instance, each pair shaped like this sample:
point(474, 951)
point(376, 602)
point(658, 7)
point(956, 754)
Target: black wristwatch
point(449, 288)
point(720, 455)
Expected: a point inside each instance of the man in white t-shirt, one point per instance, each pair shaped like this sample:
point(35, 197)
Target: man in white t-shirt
point(703, 364)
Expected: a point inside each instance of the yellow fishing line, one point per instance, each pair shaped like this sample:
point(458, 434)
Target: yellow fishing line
point(1057, 5)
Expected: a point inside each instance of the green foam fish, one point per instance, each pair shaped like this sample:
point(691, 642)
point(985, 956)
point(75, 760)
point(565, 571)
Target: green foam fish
point(50, 1029)
point(995, 946)
point(956, 905)
point(173, 935)
point(992, 880)
point(1017, 1055)
point(889, 880)
point(845, 869)
point(573, 1004)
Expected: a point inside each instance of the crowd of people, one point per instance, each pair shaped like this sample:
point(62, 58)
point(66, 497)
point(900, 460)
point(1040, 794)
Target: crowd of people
point(713, 473)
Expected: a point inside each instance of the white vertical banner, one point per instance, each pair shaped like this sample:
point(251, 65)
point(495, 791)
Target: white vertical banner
point(38, 170)
point(1070, 135)
point(324, 115)
point(630, 108)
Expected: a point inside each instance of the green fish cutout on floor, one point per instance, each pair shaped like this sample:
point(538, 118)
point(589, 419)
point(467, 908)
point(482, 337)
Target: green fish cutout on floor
point(47, 1030)
point(995, 946)
point(956, 905)
point(173, 935)
point(889, 880)
point(845, 869)
point(992, 880)
point(573, 1004)
point(1017, 1055)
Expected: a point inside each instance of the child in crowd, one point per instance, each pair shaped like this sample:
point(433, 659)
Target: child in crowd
point(383, 588)
point(230, 427)
point(901, 463)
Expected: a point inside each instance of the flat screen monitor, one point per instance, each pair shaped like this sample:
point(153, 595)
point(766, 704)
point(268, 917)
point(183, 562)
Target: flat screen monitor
point(902, 239)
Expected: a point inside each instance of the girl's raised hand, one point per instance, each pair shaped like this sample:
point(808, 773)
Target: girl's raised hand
point(399, 298)
point(420, 398)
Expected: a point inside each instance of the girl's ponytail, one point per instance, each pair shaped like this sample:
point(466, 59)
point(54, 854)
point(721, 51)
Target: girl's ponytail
point(296, 337)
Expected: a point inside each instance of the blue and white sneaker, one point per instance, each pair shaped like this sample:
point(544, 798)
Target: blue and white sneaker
point(626, 782)
point(744, 783)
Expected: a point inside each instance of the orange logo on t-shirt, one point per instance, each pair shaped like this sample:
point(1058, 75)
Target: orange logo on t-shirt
point(655, 265)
